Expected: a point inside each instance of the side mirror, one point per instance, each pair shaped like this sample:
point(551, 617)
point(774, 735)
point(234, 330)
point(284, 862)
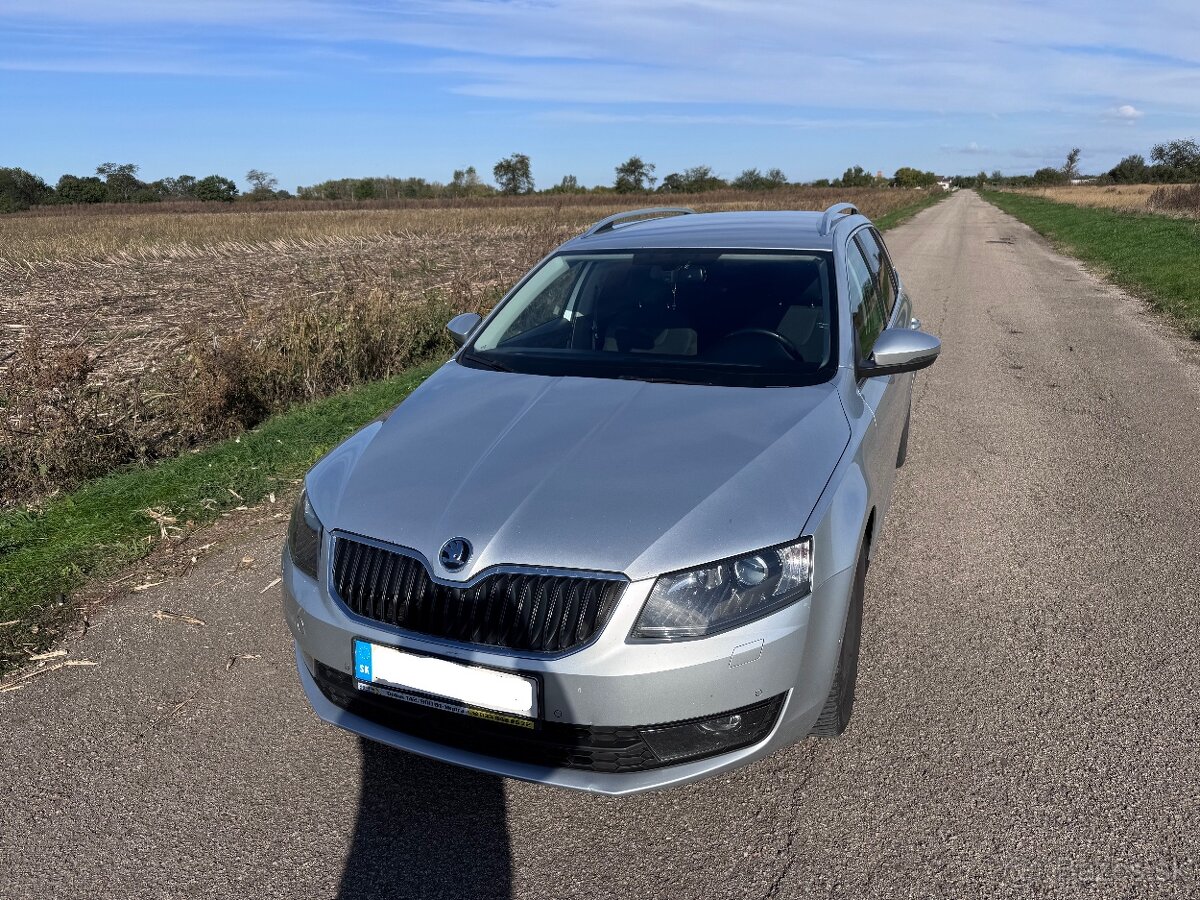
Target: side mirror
point(462, 327)
point(899, 350)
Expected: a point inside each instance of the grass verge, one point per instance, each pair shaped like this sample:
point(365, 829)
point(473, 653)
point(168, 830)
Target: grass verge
point(902, 214)
point(107, 523)
point(1153, 256)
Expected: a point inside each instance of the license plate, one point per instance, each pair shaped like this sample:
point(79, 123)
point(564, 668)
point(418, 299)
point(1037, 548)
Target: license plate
point(445, 685)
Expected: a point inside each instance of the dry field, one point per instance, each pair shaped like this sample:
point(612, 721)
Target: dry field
point(1138, 198)
point(131, 334)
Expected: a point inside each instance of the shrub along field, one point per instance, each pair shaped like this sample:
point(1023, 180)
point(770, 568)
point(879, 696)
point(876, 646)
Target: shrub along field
point(1156, 256)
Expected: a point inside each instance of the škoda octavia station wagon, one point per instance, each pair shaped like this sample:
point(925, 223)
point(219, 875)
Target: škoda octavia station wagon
point(619, 541)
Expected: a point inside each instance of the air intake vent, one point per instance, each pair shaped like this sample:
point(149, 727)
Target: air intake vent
point(515, 610)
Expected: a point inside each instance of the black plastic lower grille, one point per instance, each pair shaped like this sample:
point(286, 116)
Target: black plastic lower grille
point(518, 611)
point(612, 749)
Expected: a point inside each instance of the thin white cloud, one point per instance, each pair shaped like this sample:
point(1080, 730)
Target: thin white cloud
point(1126, 113)
point(594, 117)
point(151, 66)
point(971, 148)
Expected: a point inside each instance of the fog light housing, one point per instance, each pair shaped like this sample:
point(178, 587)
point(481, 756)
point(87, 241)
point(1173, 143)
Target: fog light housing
point(699, 738)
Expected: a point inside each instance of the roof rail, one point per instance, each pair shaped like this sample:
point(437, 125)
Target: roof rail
point(838, 209)
point(612, 221)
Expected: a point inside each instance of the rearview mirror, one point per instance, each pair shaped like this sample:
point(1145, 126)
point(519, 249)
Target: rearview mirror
point(899, 350)
point(462, 327)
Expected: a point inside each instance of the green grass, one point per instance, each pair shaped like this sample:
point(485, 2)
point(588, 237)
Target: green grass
point(91, 532)
point(1156, 257)
point(904, 213)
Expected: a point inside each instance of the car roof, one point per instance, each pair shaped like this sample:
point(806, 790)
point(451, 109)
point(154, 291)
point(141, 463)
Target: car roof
point(751, 230)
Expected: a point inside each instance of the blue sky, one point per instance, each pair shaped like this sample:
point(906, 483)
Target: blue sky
point(314, 89)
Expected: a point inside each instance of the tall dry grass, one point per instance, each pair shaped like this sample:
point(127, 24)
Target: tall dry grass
point(1178, 198)
point(1135, 198)
point(61, 423)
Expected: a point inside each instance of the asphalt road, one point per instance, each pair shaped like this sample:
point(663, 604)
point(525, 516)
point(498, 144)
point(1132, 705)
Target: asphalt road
point(1028, 699)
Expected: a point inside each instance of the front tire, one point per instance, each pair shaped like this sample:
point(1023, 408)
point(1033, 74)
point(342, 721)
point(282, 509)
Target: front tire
point(839, 705)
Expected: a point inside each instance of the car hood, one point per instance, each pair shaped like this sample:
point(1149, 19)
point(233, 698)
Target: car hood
point(584, 473)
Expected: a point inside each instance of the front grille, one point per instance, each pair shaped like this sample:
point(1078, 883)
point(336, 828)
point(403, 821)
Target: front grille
point(518, 611)
point(595, 748)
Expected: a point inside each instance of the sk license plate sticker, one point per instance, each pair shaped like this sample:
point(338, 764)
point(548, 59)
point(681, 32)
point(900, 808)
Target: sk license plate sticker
point(449, 686)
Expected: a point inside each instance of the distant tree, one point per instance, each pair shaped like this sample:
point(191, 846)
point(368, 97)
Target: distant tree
point(418, 187)
point(695, 180)
point(181, 188)
point(466, 183)
point(749, 180)
point(981, 179)
point(364, 189)
point(633, 176)
point(108, 168)
point(121, 181)
point(672, 183)
point(215, 188)
point(262, 184)
point(568, 185)
point(73, 189)
point(822, 183)
point(1070, 168)
point(1131, 170)
point(1180, 159)
point(908, 177)
point(513, 174)
point(20, 190)
point(702, 178)
point(754, 180)
point(856, 176)
point(1048, 176)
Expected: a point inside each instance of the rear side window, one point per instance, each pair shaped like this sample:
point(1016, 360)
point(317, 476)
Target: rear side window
point(880, 266)
point(866, 307)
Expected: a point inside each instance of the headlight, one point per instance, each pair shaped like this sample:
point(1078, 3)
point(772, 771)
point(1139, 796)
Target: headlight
point(304, 536)
point(701, 602)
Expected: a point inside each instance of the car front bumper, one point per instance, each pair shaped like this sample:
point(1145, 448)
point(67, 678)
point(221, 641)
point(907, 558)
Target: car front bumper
point(609, 685)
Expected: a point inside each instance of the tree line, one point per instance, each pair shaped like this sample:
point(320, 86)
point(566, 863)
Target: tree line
point(513, 175)
point(1171, 162)
point(119, 183)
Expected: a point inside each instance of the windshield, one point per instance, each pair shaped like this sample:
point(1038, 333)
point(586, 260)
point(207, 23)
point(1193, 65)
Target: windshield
point(729, 317)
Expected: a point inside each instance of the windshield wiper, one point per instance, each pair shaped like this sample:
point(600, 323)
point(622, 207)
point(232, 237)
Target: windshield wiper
point(485, 363)
point(656, 379)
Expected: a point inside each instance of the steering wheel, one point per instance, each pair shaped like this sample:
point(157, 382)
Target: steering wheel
point(787, 345)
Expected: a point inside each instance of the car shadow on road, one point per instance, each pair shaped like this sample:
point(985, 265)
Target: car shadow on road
point(425, 829)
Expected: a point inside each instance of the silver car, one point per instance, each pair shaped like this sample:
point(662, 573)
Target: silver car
point(619, 541)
